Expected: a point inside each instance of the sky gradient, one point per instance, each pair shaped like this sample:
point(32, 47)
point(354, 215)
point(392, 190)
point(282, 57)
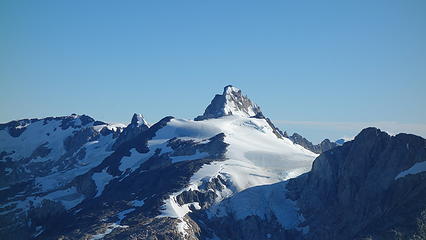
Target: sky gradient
point(323, 69)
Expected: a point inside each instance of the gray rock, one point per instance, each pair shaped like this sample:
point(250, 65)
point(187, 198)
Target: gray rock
point(231, 97)
point(352, 191)
point(325, 145)
point(137, 126)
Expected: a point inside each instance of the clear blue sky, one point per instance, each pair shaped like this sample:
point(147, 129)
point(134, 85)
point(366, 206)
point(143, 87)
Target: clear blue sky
point(322, 68)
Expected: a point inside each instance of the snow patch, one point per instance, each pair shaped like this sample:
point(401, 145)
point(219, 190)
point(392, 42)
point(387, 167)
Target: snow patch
point(121, 215)
point(138, 203)
point(133, 161)
point(415, 169)
point(109, 229)
point(261, 201)
point(101, 180)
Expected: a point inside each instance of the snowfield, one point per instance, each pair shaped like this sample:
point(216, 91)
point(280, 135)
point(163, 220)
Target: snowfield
point(255, 156)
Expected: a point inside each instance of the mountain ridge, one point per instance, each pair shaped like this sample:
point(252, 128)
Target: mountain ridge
point(220, 175)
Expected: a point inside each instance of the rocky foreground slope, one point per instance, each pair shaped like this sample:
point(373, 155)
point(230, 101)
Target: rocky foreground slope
point(224, 175)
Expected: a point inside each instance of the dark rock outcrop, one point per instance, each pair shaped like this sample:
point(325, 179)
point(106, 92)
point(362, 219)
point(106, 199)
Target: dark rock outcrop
point(354, 192)
point(135, 128)
point(325, 145)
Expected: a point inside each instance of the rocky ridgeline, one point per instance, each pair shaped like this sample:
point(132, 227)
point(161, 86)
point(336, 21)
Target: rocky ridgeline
point(76, 178)
point(370, 188)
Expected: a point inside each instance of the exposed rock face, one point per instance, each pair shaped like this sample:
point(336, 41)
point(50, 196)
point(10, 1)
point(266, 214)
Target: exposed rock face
point(148, 185)
point(39, 159)
point(275, 129)
point(231, 102)
point(136, 127)
point(325, 145)
point(96, 183)
point(354, 192)
point(370, 188)
point(76, 178)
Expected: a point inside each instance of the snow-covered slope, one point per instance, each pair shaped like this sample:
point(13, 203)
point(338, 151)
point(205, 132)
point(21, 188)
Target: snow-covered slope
point(83, 168)
point(255, 155)
point(47, 155)
point(229, 173)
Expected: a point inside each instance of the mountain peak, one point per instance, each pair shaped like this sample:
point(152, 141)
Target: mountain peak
point(231, 102)
point(230, 89)
point(138, 120)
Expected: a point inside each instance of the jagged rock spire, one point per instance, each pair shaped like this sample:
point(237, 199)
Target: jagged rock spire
point(231, 102)
point(138, 120)
point(136, 127)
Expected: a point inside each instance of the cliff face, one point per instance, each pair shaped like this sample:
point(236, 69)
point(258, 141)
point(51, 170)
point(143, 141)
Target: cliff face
point(364, 189)
point(370, 188)
point(230, 102)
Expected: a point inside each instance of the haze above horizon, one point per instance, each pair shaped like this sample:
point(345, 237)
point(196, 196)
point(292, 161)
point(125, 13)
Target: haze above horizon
point(322, 70)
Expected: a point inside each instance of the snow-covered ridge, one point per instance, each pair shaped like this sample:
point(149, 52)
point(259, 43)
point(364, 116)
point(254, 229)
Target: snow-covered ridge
point(255, 156)
point(48, 154)
point(74, 158)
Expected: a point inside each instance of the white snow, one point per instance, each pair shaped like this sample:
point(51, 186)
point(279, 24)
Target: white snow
point(107, 231)
point(53, 136)
point(96, 152)
point(231, 108)
point(261, 201)
point(138, 203)
point(416, 168)
point(69, 198)
point(101, 180)
point(35, 135)
point(121, 215)
point(134, 160)
point(183, 227)
point(173, 209)
point(116, 127)
point(254, 157)
point(140, 120)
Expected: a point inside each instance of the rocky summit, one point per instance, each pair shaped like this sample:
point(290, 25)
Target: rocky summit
point(231, 102)
point(228, 174)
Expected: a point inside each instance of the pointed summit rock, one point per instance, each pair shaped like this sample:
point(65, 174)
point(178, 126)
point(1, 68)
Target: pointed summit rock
point(231, 102)
point(138, 120)
point(136, 127)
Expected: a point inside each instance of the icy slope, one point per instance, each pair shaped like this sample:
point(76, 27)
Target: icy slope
point(83, 169)
point(266, 202)
point(255, 156)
